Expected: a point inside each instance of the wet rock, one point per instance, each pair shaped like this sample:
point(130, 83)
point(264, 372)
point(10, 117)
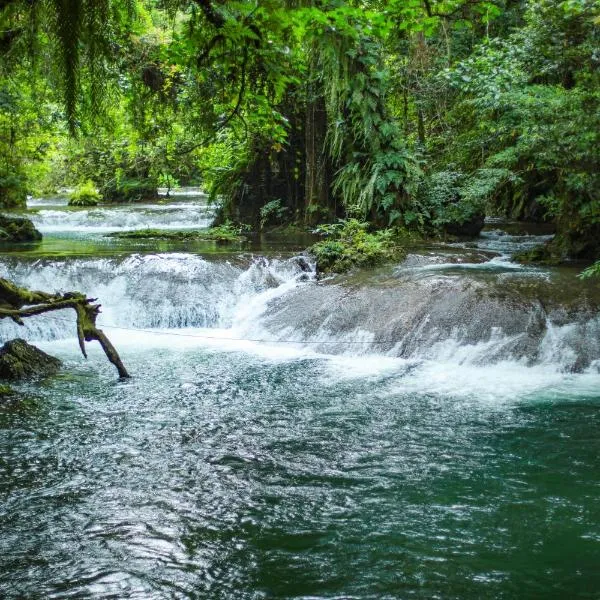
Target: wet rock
point(444, 316)
point(303, 264)
point(16, 229)
point(20, 360)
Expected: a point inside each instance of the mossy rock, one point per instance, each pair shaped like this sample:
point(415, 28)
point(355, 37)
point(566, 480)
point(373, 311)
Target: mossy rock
point(220, 235)
point(541, 255)
point(20, 360)
point(16, 229)
point(83, 202)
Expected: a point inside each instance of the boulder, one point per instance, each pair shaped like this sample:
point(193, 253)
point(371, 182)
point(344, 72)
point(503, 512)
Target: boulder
point(20, 360)
point(16, 229)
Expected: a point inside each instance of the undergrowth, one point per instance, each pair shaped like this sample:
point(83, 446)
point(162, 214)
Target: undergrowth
point(349, 244)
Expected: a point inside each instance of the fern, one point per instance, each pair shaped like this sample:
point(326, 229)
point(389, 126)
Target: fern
point(376, 171)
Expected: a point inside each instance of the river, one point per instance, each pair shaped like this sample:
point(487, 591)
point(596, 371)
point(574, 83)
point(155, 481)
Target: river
point(422, 430)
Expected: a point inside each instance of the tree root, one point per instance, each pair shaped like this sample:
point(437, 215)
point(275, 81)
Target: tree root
point(19, 303)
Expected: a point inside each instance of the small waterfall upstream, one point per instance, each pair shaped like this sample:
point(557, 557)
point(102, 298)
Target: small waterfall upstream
point(53, 216)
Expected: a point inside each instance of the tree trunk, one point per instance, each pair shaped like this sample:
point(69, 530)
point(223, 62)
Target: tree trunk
point(317, 182)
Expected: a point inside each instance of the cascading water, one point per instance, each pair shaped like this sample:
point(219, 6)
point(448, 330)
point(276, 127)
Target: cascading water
point(160, 291)
point(427, 429)
point(55, 217)
point(449, 319)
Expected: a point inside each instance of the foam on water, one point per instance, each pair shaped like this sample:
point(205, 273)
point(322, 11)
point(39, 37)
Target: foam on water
point(498, 240)
point(183, 302)
point(179, 290)
point(162, 291)
point(134, 217)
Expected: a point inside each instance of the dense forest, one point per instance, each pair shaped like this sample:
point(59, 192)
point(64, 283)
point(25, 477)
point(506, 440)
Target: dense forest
point(418, 115)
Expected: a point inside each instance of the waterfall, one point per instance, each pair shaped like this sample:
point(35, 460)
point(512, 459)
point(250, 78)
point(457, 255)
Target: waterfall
point(446, 318)
point(158, 291)
point(55, 217)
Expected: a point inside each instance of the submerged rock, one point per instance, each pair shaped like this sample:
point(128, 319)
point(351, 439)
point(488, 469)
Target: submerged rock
point(302, 263)
point(20, 360)
point(17, 229)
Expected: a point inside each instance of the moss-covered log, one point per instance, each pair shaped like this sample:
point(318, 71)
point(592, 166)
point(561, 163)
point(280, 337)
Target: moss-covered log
point(19, 303)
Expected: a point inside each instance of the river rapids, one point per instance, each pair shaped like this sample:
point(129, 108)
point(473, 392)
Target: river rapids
point(423, 430)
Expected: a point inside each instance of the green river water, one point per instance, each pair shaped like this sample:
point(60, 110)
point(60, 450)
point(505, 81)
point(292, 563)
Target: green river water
point(236, 469)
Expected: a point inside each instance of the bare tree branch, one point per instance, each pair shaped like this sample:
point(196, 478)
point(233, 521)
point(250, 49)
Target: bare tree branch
point(18, 303)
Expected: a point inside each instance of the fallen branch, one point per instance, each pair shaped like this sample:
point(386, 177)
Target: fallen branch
point(19, 303)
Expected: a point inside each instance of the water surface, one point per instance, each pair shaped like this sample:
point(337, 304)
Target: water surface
point(427, 430)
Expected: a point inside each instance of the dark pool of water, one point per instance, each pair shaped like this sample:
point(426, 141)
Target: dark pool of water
point(219, 474)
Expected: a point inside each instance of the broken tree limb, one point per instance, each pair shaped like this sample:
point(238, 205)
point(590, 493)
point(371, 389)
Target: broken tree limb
point(19, 303)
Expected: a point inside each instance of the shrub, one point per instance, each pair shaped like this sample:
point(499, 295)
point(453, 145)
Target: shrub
point(12, 192)
point(591, 271)
point(85, 194)
point(273, 213)
point(455, 202)
point(350, 245)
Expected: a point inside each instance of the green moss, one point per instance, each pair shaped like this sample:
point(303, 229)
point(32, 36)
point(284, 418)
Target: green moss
point(15, 229)
point(6, 390)
point(85, 194)
point(223, 234)
point(351, 245)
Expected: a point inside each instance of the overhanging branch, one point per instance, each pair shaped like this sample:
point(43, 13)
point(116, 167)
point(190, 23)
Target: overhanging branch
point(18, 303)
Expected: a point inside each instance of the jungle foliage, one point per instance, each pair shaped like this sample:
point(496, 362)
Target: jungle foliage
point(420, 114)
point(350, 244)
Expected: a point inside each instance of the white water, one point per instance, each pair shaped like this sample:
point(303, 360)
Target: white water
point(157, 291)
point(55, 217)
point(271, 308)
point(183, 302)
point(499, 241)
